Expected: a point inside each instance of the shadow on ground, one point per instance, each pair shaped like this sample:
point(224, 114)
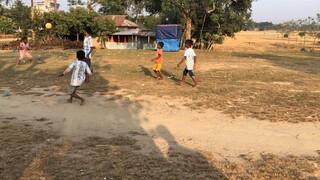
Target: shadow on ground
point(307, 62)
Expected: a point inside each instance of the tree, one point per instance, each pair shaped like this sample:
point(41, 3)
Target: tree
point(7, 25)
point(80, 19)
point(187, 9)
point(110, 7)
point(20, 14)
point(102, 28)
point(216, 17)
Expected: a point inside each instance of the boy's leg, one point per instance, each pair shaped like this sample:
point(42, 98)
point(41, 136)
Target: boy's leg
point(193, 77)
point(78, 97)
point(154, 68)
point(20, 58)
point(160, 75)
point(72, 92)
point(29, 56)
point(156, 74)
point(159, 66)
point(185, 72)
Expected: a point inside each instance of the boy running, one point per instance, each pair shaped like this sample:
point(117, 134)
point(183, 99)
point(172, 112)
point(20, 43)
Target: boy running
point(80, 69)
point(24, 46)
point(157, 61)
point(190, 58)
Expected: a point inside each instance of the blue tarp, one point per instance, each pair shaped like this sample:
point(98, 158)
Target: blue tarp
point(168, 31)
point(170, 35)
point(170, 44)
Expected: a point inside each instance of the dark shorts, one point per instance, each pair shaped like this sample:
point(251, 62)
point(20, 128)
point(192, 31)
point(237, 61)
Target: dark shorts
point(186, 71)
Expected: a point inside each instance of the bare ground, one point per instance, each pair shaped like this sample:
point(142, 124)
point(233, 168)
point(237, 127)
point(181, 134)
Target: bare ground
point(237, 125)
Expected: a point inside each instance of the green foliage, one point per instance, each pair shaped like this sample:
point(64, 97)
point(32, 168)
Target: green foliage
point(263, 26)
point(102, 28)
point(7, 25)
point(150, 22)
point(20, 14)
point(110, 7)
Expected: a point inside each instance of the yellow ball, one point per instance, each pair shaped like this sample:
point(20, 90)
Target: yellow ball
point(48, 25)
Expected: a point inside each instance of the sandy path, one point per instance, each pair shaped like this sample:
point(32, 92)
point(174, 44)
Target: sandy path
point(160, 123)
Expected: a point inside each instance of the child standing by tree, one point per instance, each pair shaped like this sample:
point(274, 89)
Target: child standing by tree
point(80, 69)
point(190, 58)
point(24, 46)
point(157, 61)
point(88, 45)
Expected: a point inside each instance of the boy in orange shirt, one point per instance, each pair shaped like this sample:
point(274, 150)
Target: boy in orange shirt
point(157, 61)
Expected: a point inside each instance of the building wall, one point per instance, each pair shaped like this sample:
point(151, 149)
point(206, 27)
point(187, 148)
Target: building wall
point(46, 6)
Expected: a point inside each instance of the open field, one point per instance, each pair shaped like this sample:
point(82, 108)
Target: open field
point(256, 115)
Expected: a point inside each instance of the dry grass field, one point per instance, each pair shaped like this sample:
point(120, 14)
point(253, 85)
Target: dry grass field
point(255, 75)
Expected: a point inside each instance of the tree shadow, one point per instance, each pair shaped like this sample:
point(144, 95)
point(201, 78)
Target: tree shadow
point(147, 71)
point(192, 161)
point(170, 76)
point(307, 62)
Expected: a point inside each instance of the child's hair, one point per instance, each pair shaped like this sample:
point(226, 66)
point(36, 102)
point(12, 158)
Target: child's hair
point(81, 54)
point(88, 30)
point(189, 42)
point(24, 38)
point(161, 44)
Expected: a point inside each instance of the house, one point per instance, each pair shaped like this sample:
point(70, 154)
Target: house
point(46, 6)
point(129, 35)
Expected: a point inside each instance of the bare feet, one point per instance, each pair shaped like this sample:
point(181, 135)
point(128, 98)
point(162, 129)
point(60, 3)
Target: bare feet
point(69, 100)
point(83, 102)
point(196, 85)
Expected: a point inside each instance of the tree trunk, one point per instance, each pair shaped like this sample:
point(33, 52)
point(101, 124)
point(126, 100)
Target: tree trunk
point(188, 24)
point(88, 5)
point(32, 21)
point(201, 32)
point(77, 37)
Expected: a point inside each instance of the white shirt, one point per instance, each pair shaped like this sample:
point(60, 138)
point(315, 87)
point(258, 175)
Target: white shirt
point(189, 54)
point(79, 72)
point(87, 45)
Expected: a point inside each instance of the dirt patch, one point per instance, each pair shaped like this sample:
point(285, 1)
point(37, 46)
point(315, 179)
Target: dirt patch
point(32, 153)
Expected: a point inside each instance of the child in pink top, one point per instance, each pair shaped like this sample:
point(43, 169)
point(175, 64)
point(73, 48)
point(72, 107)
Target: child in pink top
point(24, 46)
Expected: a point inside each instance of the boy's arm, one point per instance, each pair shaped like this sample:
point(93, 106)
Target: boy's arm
point(65, 72)
point(88, 55)
point(156, 58)
point(182, 60)
point(195, 61)
point(90, 44)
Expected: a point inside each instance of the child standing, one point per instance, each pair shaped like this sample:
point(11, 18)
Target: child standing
point(24, 46)
point(88, 45)
point(190, 58)
point(157, 61)
point(80, 69)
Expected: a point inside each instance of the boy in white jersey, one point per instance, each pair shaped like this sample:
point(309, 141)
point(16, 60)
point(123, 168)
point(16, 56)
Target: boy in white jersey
point(24, 46)
point(88, 45)
point(190, 58)
point(80, 70)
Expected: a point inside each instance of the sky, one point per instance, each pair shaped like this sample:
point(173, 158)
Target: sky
point(278, 11)
point(275, 11)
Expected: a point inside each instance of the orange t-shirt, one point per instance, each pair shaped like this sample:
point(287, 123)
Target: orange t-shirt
point(159, 52)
